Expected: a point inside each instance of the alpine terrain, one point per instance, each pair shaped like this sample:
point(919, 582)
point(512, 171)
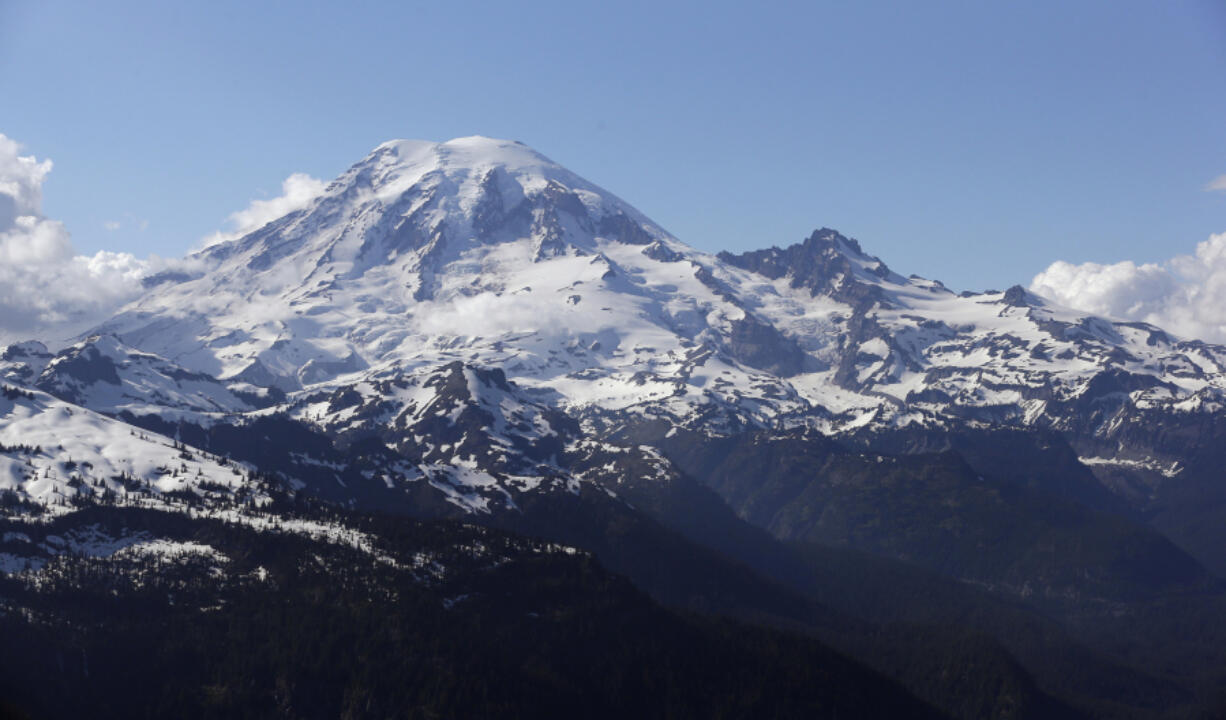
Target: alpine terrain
point(470, 434)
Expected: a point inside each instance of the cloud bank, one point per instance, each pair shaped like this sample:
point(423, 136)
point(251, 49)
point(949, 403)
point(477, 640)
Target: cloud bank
point(1185, 295)
point(47, 289)
point(296, 191)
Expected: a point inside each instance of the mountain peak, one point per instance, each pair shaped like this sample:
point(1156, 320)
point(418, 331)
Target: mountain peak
point(826, 262)
point(414, 222)
point(475, 151)
point(433, 201)
point(397, 166)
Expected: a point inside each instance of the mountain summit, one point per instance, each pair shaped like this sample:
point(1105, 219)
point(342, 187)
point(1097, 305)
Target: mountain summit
point(473, 249)
point(416, 205)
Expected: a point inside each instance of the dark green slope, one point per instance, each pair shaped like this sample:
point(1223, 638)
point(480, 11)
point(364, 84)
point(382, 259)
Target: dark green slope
point(958, 646)
point(937, 511)
point(328, 633)
point(972, 653)
point(1114, 658)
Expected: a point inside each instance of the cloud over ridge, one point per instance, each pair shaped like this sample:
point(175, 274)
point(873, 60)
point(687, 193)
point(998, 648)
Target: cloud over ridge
point(297, 191)
point(1185, 294)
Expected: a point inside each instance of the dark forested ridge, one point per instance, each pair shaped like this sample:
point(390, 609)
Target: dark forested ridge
point(501, 624)
point(297, 628)
point(905, 573)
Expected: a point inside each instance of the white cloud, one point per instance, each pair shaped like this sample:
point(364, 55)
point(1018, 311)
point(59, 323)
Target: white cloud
point(297, 191)
point(1185, 295)
point(47, 290)
point(1217, 184)
point(50, 292)
point(21, 183)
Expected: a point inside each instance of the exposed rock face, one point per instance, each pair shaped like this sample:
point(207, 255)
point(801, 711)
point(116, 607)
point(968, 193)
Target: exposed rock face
point(109, 376)
point(826, 263)
point(21, 363)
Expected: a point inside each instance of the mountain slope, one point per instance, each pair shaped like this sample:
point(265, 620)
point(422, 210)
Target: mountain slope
point(53, 453)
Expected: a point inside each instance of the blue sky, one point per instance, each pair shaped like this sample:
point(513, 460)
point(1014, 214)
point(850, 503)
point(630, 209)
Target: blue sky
point(974, 142)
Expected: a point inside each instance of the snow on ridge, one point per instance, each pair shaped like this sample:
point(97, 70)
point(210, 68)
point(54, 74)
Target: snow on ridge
point(52, 451)
point(1168, 470)
point(107, 375)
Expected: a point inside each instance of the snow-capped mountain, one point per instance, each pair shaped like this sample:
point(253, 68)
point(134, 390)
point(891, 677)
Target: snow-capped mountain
point(902, 350)
point(486, 252)
point(469, 314)
point(474, 250)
